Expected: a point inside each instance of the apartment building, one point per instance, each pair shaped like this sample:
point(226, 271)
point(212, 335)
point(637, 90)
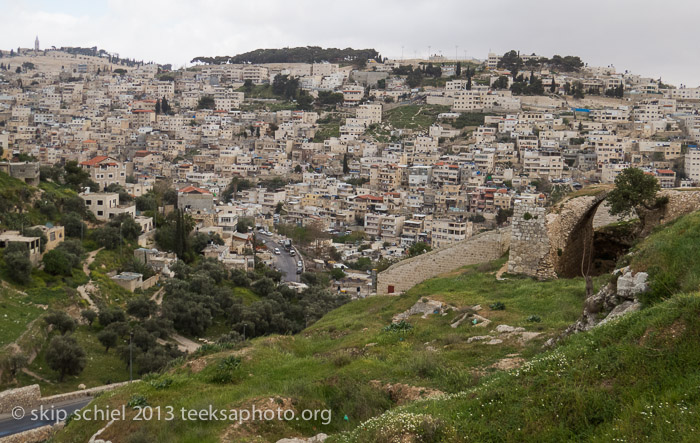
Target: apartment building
point(385, 226)
point(353, 94)
point(543, 164)
point(692, 164)
point(370, 112)
point(446, 232)
point(191, 198)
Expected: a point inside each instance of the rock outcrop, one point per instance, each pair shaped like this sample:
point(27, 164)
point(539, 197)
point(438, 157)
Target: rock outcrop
point(612, 301)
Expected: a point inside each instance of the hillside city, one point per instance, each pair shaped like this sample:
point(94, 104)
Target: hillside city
point(152, 217)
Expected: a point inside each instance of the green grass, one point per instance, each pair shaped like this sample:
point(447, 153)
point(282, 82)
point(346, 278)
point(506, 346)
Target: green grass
point(329, 365)
point(101, 367)
point(416, 117)
point(16, 312)
point(109, 260)
point(327, 128)
point(670, 255)
point(634, 380)
point(259, 91)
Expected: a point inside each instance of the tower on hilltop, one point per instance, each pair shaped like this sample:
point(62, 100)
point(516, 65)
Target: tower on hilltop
point(36, 44)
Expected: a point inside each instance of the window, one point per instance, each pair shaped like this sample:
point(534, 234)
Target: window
point(100, 213)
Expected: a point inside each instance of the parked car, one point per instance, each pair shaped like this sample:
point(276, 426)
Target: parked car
point(300, 264)
point(277, 251)
point(292, 253)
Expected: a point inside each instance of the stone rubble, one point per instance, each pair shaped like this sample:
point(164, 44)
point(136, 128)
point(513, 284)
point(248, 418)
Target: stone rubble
point(612, 301)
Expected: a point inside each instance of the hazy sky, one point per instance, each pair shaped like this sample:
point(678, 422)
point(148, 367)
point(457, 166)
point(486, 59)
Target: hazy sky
point(657, 39)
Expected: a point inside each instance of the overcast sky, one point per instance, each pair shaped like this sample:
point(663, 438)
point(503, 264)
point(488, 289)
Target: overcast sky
point(657, 39)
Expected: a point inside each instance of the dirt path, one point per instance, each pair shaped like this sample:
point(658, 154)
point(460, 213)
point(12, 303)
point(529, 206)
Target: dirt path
point(35, 375)
point(185, 344)
point(158, 296)
point(502, 271)
point(87, 288)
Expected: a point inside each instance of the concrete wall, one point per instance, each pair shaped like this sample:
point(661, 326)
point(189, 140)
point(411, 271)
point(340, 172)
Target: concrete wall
point(478, 249)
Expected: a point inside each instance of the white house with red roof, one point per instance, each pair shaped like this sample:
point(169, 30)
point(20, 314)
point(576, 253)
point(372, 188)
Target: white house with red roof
point(105, 170)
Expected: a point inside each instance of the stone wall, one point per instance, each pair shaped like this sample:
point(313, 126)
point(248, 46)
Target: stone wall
point(680, 202)
point(83, 393)
point(529, 243)
point(407, 273)
point(26, 397)
point(36, 435)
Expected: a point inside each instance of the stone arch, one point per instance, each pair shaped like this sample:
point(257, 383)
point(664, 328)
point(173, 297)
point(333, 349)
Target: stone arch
point(559, 242)
point(575, 258)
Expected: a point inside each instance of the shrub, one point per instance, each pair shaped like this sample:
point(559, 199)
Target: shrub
point(58, 262)
point(16, 257)
point(527, 216)
point(534, 319)
point(137, 400)
point(401, 326)
point(498, 306)
point(161, 383)
point(61, 321)
point(225, 370)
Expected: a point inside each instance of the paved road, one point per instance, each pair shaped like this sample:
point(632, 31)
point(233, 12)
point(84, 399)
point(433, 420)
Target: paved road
point(9, 425)
point(284, 262)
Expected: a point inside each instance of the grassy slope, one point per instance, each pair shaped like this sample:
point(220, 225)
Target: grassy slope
point(636, 378)
point(670, 256)
point(416, 117)
point(15, 314)
point(330, 364)
point(101, 367)
point(633, 380)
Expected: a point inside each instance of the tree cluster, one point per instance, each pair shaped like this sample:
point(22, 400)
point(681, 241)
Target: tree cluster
point(304, 54)
point(199, 294)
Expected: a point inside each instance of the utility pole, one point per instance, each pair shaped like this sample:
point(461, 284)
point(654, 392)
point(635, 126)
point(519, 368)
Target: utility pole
point(131, 365)
point(429, 52)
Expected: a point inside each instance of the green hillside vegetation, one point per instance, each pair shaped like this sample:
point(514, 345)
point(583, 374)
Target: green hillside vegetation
point(670, 258)
point(633, 379)
point(415, 117)
point(303, 54)
point(331, 364)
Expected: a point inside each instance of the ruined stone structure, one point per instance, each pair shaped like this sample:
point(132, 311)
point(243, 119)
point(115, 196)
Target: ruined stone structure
point(543, 243)
point(480, 248)
point(559, 243)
